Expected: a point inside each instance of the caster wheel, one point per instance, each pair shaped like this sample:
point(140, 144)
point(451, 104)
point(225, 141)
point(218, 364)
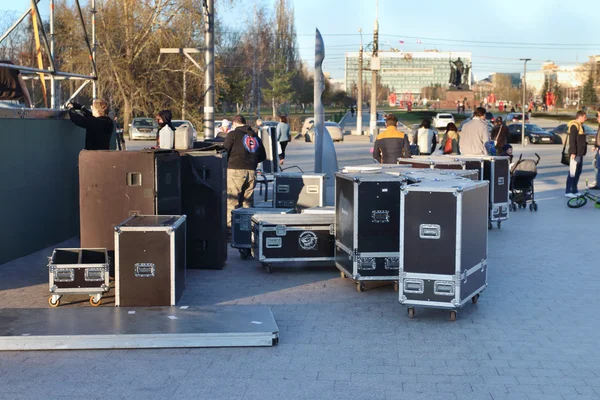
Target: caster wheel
point(453, 316)
point(95, 303)
point(268, 268)
point(475, 298)
point(360, 287)
point(499, 224)
point(53, 304)
point(535, 207)
point(396, 286)
point(490, 226)
point(531, 207)
point(411, 313)
point(244, 254)
point(343, 275)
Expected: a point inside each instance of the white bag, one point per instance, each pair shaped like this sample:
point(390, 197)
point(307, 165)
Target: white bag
point(572, 167)
point(184, 137)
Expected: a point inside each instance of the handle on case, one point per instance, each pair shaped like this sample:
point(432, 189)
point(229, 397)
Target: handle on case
point(145, 270)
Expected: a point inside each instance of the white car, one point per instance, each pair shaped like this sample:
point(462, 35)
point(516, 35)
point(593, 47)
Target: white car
point(335, 131)
point(178, 122)
point(441, 120)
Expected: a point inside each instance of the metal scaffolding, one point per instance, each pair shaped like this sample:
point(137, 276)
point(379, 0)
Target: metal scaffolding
point(49, 46)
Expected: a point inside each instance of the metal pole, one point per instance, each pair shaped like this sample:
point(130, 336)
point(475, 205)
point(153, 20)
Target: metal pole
point(94, 45)
point(359, 122)
point(374, 61)
point(523, 106)
point(255, 85)
point(209, 74)
point(184, 88)
point(14, 26)
point(53, 101)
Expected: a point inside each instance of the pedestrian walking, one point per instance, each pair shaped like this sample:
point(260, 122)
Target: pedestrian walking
point(499, 134)
point(283, 136)
point(450, 143)
point(597, 155)
point(352, 111)
point(425, 138)
point(475, 135)
point(391, 144)
point(245, 151)
point(165, 139)
point(577, 150)
point(97, 124)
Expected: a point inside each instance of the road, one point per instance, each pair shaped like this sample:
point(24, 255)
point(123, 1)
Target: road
point(532, 335)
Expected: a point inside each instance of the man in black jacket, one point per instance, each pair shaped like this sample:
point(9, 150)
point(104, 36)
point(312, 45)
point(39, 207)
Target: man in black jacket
point(391, 144)
point(577, 150)
point(244, 151)
point(97, 124)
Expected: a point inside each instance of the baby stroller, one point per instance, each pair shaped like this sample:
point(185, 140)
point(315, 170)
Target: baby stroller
point(522, 177)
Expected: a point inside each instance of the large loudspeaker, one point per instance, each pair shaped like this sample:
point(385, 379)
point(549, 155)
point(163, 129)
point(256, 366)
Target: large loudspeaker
point(114, 185)
point(203, 201)
point(268, 136)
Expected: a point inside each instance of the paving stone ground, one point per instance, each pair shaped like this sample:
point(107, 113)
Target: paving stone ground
point(534, 333)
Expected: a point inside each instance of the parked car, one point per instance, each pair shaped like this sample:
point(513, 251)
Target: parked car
point(533, 134)
point(178, 122)
point(441, 120)
point(560, 134)
point(335, 131)
point(307, 124)
point(516, 117)
point(143, 128)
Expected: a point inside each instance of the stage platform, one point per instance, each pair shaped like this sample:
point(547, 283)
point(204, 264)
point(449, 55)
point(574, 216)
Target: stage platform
point(137, 328)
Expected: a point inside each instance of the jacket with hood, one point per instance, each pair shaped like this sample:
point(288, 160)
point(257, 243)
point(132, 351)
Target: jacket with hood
point(98, 130)
point(244, 149)
point(577, 141)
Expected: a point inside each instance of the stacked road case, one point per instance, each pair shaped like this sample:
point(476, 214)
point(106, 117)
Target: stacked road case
point(495, 170)
point(150, 261)
point(299, 191)
point(292, 238)
point(420, 174)
point(443, 250)
point(241, 227)
point(367, 222)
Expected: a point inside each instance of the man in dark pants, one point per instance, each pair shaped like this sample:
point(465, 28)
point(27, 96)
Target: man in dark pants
point(577, 150)
point(391, 144)
point(245, 151)
point(97, 124)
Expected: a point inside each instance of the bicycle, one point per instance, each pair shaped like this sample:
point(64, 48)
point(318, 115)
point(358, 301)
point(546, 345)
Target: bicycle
point(582, 200)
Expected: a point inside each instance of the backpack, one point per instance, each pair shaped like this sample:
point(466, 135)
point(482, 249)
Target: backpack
point(448, 146)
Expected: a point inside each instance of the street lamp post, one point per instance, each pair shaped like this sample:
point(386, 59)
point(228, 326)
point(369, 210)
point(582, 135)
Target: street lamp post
point(375, 66)
point(523, 106)
point(360, 91)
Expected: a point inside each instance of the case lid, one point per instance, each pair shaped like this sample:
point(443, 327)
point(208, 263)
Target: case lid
point(379, 176)
point(319, 210)
point(297, 175)
point(448, 185)
point(152, 221)
point(480, 158)
point(257, 210)
point(373, 167)
point(294, 219)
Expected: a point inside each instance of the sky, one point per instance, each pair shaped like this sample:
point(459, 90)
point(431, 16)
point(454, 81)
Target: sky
point(498, 33)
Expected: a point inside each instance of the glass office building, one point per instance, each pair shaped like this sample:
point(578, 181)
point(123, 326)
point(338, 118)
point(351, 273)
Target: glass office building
point(406, 73)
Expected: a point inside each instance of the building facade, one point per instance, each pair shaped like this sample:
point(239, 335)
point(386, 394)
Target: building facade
point(407, 73)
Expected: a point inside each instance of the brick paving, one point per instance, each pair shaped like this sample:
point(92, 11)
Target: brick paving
point(532, 335)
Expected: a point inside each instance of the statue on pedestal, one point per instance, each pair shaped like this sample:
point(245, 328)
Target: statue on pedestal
point(459, 75)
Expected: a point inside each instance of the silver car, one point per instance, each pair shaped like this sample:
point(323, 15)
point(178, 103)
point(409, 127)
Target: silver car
point(143, 128)
point(335, 131)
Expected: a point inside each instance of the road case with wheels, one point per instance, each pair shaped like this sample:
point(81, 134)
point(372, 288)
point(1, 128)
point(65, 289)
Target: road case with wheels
point(367, 221)
point(437, 162)
point(443, 250)
point(78, 271)
point(292, 238)
point(150, 260)
point(241, 226)
point(495, 170)
point(299, 191)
